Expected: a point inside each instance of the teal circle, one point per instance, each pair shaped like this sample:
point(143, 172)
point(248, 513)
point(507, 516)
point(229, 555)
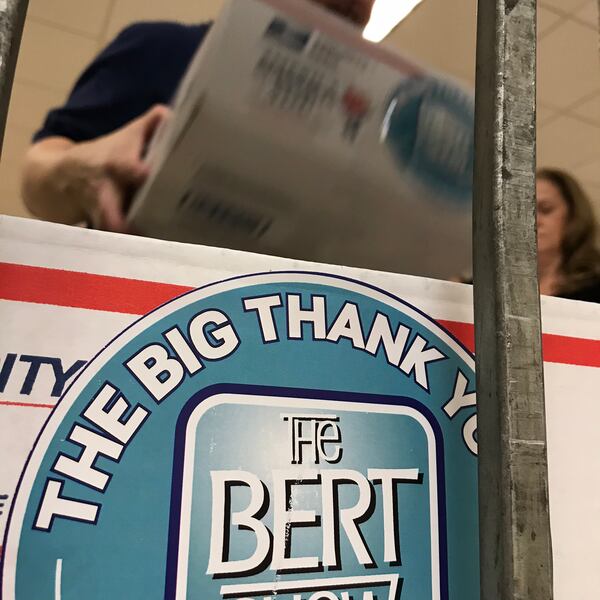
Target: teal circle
point(125, 553)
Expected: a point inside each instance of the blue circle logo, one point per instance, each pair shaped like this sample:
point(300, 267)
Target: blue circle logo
point(429, 131)
point(290, 435)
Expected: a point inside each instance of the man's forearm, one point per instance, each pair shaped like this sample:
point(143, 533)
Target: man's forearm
point(52, 180)
point(70, 182)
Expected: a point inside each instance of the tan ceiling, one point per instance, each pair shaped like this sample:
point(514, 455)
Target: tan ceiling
point(62, 36)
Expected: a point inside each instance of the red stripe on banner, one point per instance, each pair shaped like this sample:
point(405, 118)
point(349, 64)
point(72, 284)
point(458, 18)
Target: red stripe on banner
point(557, 348)
point(58, 287)
point(571, 351)
point(26, 404)
point(464, 332)
point(84, 290)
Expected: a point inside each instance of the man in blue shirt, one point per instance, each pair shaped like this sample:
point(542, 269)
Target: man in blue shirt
point(86, 160)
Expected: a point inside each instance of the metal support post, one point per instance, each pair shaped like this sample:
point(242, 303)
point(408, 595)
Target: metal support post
point(12, 19)
point(515, 548)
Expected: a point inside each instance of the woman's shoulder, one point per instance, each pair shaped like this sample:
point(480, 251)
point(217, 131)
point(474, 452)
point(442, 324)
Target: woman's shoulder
point(588, 292)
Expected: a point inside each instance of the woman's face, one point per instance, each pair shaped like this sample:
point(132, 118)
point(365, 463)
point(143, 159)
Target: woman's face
point(357, 11)
point(552, 216)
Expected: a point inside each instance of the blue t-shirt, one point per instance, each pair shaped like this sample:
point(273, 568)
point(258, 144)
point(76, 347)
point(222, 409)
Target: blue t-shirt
point(140, 68)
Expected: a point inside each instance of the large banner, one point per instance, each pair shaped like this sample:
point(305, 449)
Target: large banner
point(235, 426)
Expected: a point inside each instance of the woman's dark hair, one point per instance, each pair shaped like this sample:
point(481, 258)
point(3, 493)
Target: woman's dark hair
point(580, 253)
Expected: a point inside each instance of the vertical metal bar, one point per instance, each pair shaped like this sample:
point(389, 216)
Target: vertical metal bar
point(12, 19)
point(516, 559)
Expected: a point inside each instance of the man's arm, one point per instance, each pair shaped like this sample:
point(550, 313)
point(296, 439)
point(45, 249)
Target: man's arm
point(85, 161)
point(69, 182)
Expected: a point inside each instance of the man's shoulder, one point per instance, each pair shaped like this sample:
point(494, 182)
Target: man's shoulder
point(157, 33)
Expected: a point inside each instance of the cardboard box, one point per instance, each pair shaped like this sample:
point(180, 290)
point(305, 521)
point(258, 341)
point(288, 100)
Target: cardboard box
point(329, 406)
point(294, 136)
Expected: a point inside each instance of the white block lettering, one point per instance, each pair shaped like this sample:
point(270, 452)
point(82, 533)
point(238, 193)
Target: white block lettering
point(264, 309)
point(348, 517)
point(381, 333)
point(224, 335)
point(55, 505)
point(82, 469)
point(417, 359)
point(285, 517)
point(347, 325)
point(156, 370)
point(391, 529)
point(297, 316)
point(460, 399)
point(219, 562)
point(112, 419)
point(183, 350)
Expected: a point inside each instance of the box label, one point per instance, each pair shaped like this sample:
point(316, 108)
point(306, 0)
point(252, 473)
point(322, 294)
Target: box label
point(289, 435)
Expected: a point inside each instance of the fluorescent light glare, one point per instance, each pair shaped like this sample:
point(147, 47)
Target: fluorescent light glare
point(385, 16)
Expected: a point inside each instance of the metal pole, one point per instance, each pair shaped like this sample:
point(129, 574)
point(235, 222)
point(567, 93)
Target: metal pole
point(12, 19)
point(515, 545)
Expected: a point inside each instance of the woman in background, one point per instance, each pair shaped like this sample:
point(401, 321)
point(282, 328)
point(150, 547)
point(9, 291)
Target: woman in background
point(568, 254)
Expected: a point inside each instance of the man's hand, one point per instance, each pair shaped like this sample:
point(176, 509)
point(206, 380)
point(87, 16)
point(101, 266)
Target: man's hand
point(70, 182)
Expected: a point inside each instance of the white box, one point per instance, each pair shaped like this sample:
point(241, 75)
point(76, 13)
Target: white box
point(294, 136)
point(70, 296)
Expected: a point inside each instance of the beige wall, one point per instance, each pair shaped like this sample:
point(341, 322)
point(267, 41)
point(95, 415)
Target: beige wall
point(62, 36)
